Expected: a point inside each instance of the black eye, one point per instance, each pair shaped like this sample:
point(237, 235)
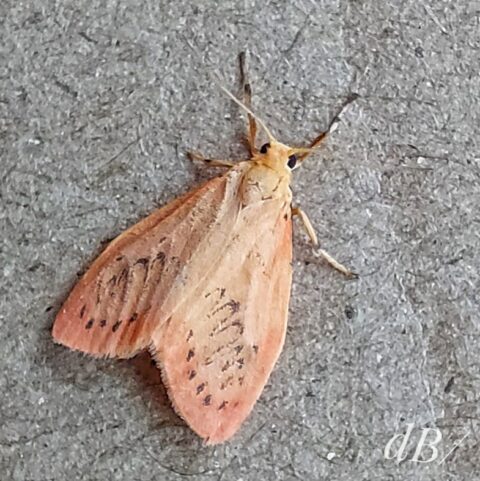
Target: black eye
point(264, 148)
point(292, 161)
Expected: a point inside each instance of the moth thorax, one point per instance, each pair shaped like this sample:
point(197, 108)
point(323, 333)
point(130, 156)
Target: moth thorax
point(262, 183)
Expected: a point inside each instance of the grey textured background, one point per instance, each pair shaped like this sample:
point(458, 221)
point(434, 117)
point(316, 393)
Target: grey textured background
point(99, 100)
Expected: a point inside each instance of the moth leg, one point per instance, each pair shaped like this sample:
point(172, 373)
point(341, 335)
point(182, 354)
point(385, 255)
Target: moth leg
point(247, 100)
point(195, 157)
point(320, 252)
point(306, 223)
point(335, 264)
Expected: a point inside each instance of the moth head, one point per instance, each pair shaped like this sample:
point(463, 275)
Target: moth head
point(273, 154)
point(281, 157)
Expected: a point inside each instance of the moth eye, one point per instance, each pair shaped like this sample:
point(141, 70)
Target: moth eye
point(264, 148)
point(292, 161)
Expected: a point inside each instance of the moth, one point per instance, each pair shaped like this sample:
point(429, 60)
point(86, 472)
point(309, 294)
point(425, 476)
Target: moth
point(202, 283)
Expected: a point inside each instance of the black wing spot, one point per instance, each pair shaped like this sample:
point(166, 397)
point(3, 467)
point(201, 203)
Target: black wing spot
point(123, 275)
point(116, 326)
point(192, 374)
point(143, 260)
point(82, 311)
point(133, 318)
point(234, 306)
point(238, 349)
point(190, 334)
point(89, 324)
point(103, 323)
point(207, 400)
point(222, 406)
point(255, 348)
point(238, 323)
point(227, 382)
point(190, 354)
point(225, 366)
point(173, 264)
point(98, 287)
point(200, 388)
point(240, 362)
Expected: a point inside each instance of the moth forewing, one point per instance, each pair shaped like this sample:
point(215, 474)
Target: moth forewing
point(137, 282)
point(219, 347)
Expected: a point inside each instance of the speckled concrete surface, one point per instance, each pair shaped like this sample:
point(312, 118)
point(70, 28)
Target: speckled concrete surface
point(99, 102)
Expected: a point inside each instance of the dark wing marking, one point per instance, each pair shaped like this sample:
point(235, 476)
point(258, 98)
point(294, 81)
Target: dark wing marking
point(221, 344)
point(139, 279)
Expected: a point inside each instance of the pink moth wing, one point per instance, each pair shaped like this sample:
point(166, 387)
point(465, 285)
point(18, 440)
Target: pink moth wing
point(218, 349)
point(204, 283)
point(137, 281)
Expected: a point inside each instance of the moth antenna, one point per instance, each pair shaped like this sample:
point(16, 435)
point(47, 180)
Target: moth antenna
point(216, 77)
point(332, 126)
point(271, 138)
